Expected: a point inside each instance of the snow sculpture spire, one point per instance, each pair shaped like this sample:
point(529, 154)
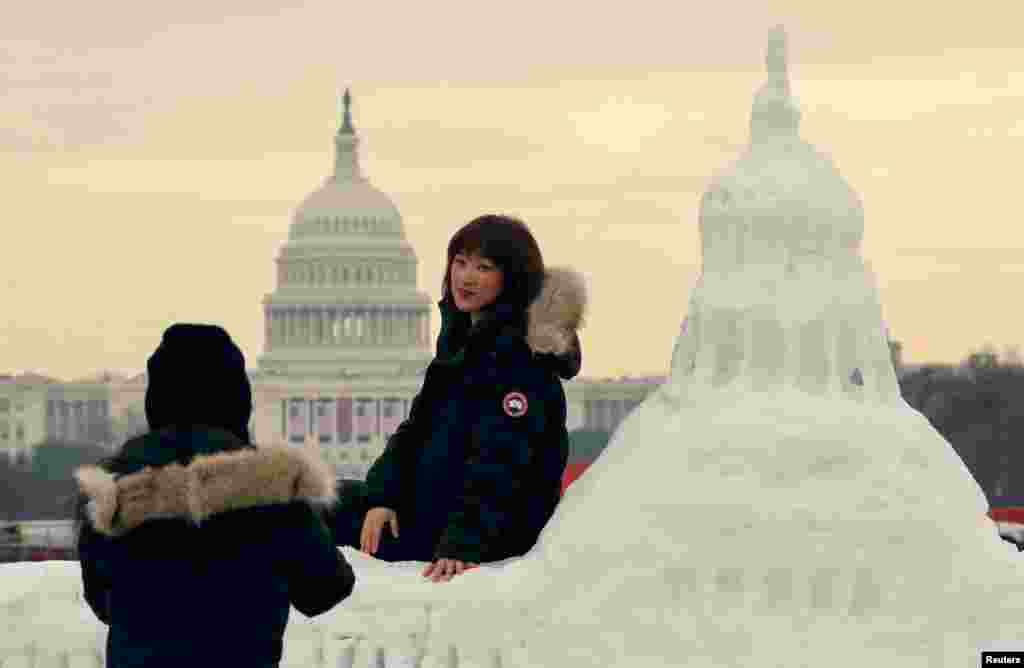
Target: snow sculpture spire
point(775, 113)
point(346, 161)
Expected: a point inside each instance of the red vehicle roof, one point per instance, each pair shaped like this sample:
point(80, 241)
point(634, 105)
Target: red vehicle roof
point(1007, 514)
point(573, 470)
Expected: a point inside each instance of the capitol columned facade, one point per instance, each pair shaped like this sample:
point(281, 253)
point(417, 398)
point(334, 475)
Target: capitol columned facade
point(346, 342)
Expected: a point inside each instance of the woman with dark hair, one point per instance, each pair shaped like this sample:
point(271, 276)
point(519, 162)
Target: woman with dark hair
point(193, 543)
point(474, 473)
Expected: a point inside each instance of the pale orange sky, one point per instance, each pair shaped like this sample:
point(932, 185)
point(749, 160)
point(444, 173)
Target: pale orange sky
point(152, 162)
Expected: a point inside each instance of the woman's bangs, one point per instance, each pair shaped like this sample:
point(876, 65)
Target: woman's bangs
point(469, 242)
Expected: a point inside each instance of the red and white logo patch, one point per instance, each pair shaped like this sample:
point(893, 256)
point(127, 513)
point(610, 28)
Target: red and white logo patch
point(514, 404)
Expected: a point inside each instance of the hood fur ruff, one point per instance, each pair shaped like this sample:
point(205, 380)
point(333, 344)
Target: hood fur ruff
point(210, 484)
point(557, 312)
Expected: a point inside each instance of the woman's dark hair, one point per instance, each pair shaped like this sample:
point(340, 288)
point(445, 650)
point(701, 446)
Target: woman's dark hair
point(508, 243)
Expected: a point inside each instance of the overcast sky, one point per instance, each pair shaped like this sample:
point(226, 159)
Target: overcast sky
point(153, 154)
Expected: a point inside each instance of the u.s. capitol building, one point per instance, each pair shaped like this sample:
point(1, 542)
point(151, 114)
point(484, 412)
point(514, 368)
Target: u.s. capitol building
point(347, 339)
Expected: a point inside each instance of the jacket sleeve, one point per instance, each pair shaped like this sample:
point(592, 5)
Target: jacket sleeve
point(94, 558)
point(498, 470)
point(388, 474)
point(318, 575)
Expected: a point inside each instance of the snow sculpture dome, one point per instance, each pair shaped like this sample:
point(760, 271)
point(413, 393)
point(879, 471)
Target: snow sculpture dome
point(783, 198)
point(347, 202)
point(785, 299)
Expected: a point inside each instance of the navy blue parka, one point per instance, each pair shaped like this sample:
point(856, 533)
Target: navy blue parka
point(195, 544)
point(474, 473)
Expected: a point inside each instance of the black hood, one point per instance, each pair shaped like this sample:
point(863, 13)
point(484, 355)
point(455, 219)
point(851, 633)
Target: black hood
point(568, 364)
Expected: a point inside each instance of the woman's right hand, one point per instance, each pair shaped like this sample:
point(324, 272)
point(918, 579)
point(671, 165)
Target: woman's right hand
point(374, 523)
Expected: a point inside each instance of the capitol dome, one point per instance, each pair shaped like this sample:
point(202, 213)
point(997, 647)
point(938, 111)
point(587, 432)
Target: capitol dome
point(783, 199)
point(347, 202)
point(346, 302)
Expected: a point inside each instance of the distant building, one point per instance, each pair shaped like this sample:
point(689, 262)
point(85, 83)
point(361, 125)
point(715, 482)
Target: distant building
point(34, 409)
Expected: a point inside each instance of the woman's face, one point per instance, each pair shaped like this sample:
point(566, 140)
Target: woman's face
point(476, 282)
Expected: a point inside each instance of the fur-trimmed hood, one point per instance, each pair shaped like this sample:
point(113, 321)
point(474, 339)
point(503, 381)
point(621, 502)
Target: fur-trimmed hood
point(208, 485)
point(548, 327)
point(557, 312)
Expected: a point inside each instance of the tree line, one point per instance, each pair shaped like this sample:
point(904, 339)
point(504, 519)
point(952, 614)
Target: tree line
point(979, 408)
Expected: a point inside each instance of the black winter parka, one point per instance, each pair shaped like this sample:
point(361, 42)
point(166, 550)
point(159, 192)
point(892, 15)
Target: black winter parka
point(474, 473)
point(197, 545)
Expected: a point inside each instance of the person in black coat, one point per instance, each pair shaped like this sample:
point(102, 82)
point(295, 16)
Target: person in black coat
point(474, 473)
point(193, 543)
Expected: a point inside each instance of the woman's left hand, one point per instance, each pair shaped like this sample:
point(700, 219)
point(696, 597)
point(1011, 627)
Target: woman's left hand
point(445, 569)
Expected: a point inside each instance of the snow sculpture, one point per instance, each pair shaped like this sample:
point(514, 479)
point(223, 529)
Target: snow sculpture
point(774, 503)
